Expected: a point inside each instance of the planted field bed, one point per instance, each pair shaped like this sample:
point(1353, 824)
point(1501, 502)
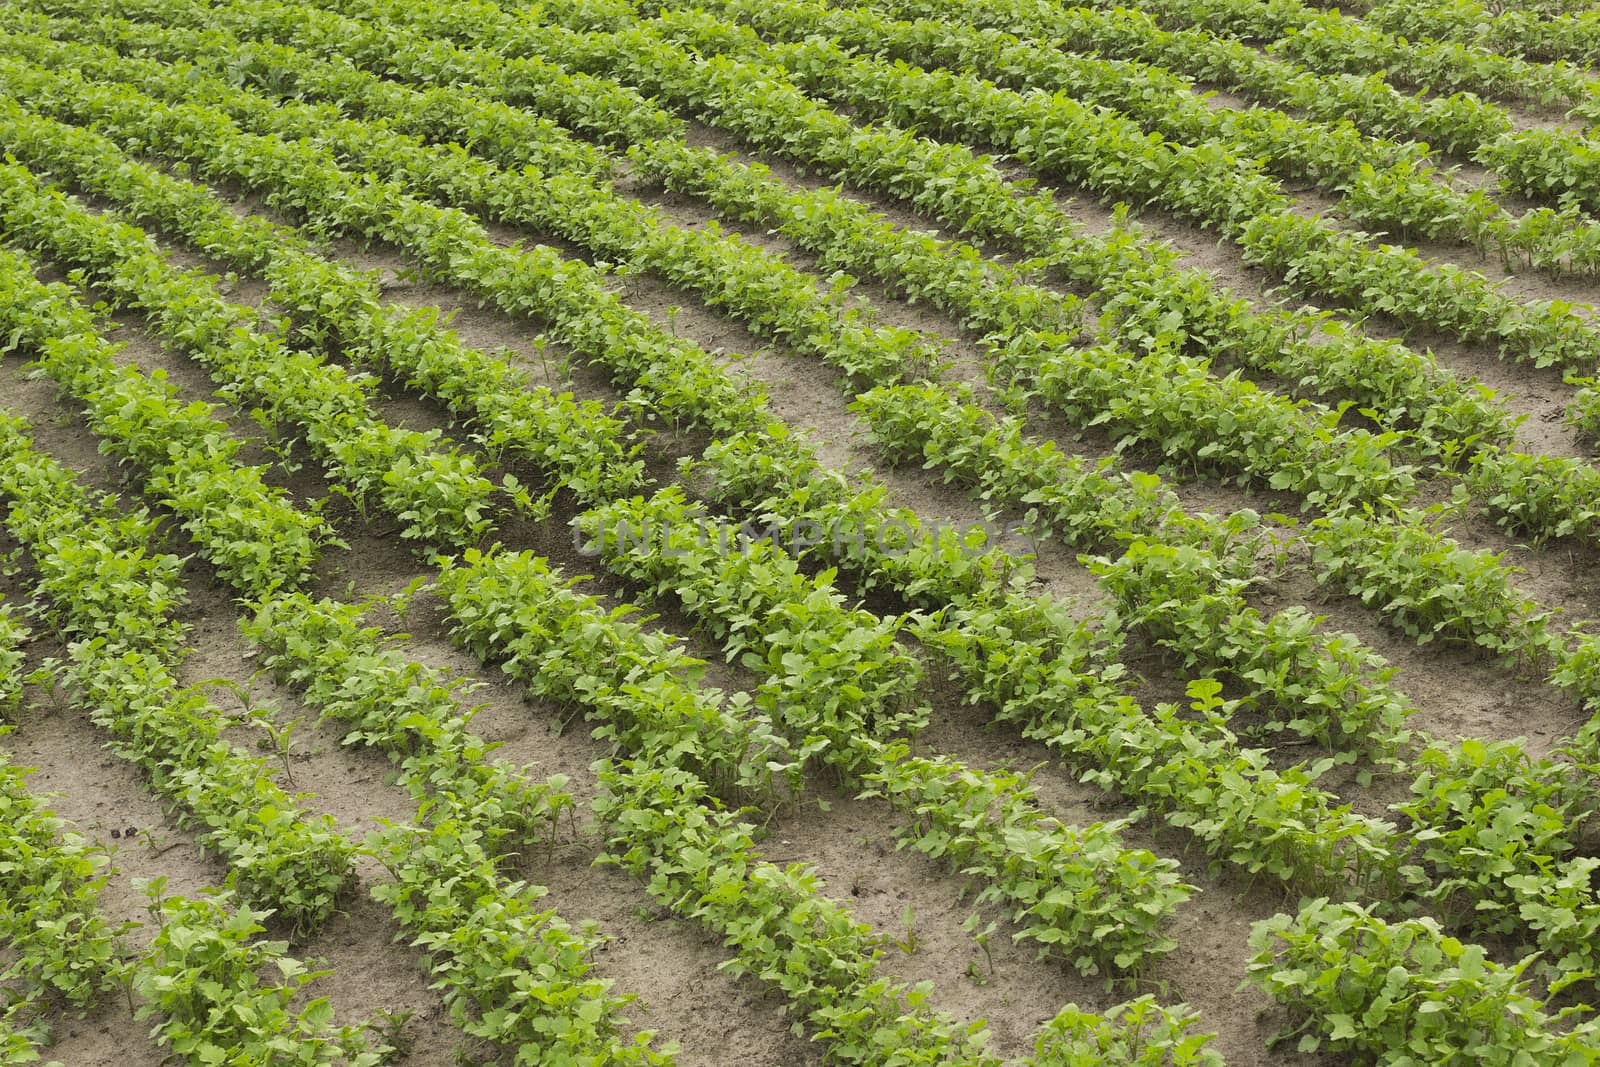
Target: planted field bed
point(799, 532)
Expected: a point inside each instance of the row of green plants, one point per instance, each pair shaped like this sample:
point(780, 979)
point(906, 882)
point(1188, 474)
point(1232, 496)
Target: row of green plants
point(1570, 36)
point(1455, 124)
point(114, 597)
point(1199, 45)
point(201, 979)
point(836, 684)
point(1501, 501)
point(14, 637)
point(437, 491)
point(663, 823)
point(63, 953)
point(186, 450)
point(759, 288)
point(1380, 183)
point(1399, 993)
point(1154, 295)
point(337, 308)
point(510, 969)
point(1294, 471)
point(1329, 40)
point(1110, 154)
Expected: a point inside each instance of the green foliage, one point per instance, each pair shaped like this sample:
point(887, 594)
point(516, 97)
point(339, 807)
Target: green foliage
point(404, 709)
point(438, 495)
point(13, 635)
point(637, 683)
point(60, 947)
point(1190, 770)
point(1140, 1033)
point(510, 971)
point(114, 601)
point(1428, 585)
point(834, 676)
point(250, 532)
point(1078, 893)
point(1402, 993)
point(661, 826)
point(221, 995)
point(1542, 497)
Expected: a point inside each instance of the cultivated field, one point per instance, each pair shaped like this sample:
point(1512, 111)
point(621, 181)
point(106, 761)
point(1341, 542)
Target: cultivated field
point(1108, 494)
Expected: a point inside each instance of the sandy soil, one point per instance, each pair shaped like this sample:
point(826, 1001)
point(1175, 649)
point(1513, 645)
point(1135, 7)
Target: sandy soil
point(672, 965)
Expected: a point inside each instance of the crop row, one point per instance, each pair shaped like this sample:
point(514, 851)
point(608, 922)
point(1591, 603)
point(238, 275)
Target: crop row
point(13, 637)
point(1153, 298)
point(1112, 155)
point(1395, 993)
point(1566, 511)
point(1573, 37)
point(202, 975)
point(1330, 40)
point(664, 824)
point(1381, 183)
point(200, 978)
point(1500, 479)
point(784, 304)
point(1537, 162)
point(1413, 568)
point(511, 970)
point(1381, 376)
point(993, 845)
point(429, 866)
point(125, 640)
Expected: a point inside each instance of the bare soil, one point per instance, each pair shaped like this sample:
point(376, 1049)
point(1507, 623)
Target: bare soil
point(673, 966)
